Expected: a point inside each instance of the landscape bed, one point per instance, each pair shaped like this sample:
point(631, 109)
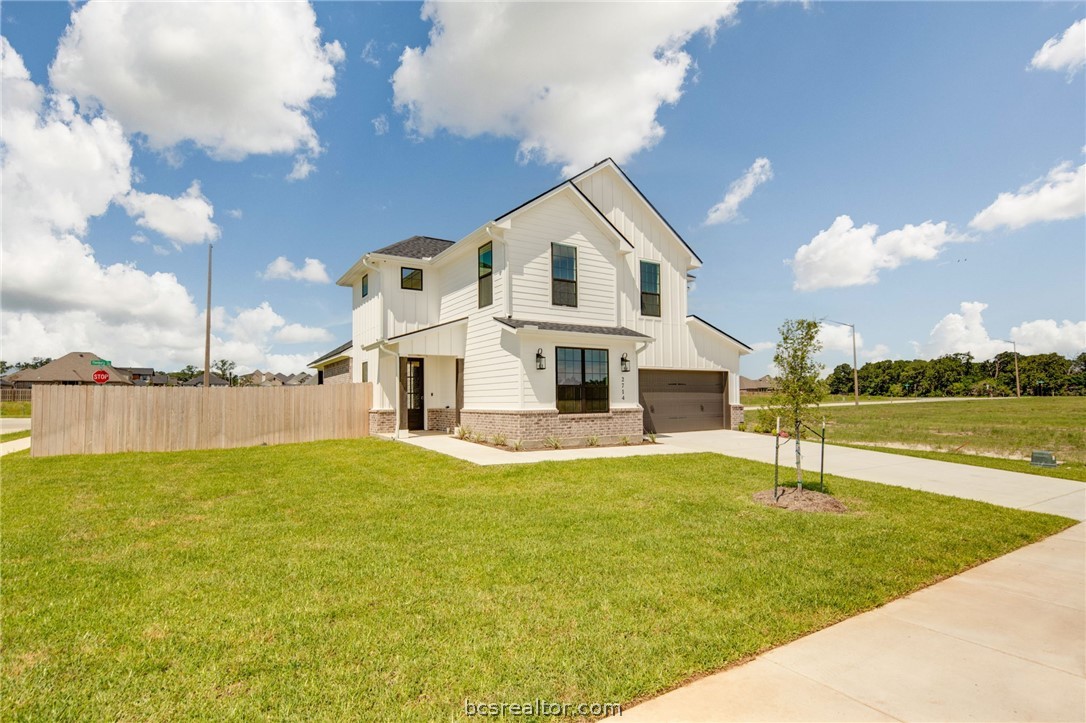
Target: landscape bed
point(373, 579)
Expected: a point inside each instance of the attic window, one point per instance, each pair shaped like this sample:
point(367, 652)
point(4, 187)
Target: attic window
point(411, 279)
point(563, 275)
point(365, 286)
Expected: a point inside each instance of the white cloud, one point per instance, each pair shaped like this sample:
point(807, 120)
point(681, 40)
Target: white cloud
point(139, 238)
point(1068, 52)
point(312, 271)
point(235, 213)
point(60, 170)
point(763, 346)
point(380, 125)
point(184, 220)
point(740, 190)
point(571, 82)
point(1047, 335)
point(369, 55)
point(1059, 195)
point(844, 255)
point(298, 334)
point(965, 332)
point(837, 338)
point(234, 78)
point(301, 169)
point(877, 353)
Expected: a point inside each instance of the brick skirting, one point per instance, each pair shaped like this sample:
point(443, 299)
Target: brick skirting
point(531, 428)
point(441, 419)
point(382, 421)
point(737, 415)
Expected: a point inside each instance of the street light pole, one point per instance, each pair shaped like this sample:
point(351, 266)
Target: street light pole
point(1017, 383)
point(855, 370)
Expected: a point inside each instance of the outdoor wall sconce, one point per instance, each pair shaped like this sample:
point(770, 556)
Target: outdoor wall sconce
point(540, 360)
point(625, 362)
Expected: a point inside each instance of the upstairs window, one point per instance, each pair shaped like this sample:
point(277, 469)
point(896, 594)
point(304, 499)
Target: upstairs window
point(486, 274)
point(650, 288)
point(365, 286)
point(581, 379)
point(563, 275)
point(411, 279)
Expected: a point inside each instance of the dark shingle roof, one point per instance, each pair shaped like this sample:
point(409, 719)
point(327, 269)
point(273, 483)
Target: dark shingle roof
point(335, 352)
point(416, 247)
point(572, 328)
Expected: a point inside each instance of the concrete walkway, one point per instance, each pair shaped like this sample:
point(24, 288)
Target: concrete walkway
point(1001, 642)
point(1005, 641)
point(16, 445)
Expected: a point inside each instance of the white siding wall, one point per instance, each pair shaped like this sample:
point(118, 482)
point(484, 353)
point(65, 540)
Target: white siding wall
point(409, 310)
point(677, 346)
point(529, 239)
point(492, 371)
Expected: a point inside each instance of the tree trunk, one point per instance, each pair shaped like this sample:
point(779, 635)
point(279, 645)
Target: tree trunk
point(799, 462)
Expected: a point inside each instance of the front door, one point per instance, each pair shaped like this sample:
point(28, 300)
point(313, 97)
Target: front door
point(416, 414)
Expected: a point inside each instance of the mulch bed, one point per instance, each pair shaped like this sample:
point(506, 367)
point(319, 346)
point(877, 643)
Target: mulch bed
point(789, 498)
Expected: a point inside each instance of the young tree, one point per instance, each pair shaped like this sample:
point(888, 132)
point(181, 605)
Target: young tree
point(799, 383)
point(225, 369)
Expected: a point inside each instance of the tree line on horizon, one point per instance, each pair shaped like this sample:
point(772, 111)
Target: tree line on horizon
point(959, 375)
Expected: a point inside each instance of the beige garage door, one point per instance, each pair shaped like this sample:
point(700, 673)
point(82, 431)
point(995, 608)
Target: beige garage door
point(681, 401)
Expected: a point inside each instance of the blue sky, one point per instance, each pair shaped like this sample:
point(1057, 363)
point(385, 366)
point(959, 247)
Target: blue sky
point(912, 117)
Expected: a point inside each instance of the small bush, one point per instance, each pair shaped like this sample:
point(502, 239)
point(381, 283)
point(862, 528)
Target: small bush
point(742, 427)
point(625, 441)
point(517, 445)
point(652, 437)
point(463, 433)
point(552, 442)
point(593, 441)
point(499, 440)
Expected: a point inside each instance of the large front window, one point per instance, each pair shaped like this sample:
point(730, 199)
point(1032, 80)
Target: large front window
point(563, 275)
point(581, 376)
point(486, 275)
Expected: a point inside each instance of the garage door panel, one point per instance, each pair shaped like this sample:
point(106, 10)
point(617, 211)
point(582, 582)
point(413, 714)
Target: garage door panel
point(682, 401)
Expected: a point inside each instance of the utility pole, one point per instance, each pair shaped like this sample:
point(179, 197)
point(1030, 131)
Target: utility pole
point(207, 326)
point(1017, 382)
point(855, 370)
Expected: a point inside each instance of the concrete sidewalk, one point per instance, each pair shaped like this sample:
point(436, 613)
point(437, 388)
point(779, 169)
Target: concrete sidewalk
point(16, 445)
point(1001, 642)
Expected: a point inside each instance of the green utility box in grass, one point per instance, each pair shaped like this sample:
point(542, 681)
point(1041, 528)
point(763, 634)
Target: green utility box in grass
point(1042, 459)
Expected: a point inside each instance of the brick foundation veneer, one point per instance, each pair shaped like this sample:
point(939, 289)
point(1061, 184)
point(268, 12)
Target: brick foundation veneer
point(737, 415)
point(533, 427)
point(382, 421)
point(438, 420)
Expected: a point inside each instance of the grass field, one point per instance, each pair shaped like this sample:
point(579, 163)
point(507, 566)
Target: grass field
point(12, 436)
point(1001, 427)
point(14, 409)
point(371, 579)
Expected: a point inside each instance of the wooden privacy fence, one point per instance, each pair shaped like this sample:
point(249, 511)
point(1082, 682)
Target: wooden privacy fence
point(101, 419)
point(8, 394)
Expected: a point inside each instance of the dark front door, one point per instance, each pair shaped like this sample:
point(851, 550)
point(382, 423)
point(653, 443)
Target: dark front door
point(416, 415)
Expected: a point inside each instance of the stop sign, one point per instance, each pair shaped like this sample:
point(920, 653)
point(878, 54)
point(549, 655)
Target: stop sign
point(101, 376)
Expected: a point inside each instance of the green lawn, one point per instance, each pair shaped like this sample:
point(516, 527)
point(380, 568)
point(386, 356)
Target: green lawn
point(12, 436)
point(14, 409)
point(370, 579)
point(994, 427)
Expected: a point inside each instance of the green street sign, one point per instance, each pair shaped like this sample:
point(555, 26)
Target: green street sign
point(100, 363)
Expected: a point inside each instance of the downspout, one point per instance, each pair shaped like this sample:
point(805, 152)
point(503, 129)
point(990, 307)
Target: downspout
point(497, 235)
point(380, 290)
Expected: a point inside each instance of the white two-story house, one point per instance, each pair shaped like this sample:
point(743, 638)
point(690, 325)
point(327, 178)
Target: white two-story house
point(565, 317)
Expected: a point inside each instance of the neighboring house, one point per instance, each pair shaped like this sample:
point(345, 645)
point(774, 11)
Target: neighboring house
point(764, 384)
point(262, 379)
point(214, 380)
point(140, 376)
point(297, 380)
point(335, 366)
point(566, 317)
point(74, 368)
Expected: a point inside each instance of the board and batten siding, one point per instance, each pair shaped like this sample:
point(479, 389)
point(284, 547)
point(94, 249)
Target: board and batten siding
point(529, 240)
